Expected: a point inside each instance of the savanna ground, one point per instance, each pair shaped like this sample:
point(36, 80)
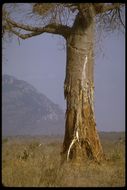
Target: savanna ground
point(35, 162)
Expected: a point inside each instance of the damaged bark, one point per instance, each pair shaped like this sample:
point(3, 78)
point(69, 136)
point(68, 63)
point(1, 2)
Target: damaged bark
point(81, 139)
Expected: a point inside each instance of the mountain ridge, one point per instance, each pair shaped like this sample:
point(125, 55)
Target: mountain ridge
point(27, 111)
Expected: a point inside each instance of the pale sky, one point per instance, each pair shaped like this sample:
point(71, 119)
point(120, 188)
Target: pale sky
point(41, 62)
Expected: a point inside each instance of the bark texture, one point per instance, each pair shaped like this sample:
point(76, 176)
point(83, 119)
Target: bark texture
point(81, 139)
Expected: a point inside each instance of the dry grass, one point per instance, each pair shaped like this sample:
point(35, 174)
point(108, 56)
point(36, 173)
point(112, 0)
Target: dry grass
point(36, 163)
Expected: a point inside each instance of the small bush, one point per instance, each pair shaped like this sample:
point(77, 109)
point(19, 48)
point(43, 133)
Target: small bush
point(5, 140)
point(33, 145)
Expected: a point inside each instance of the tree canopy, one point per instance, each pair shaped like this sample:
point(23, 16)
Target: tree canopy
point(58, 18)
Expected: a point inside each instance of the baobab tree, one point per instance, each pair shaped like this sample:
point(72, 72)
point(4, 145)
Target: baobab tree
point(76, 23)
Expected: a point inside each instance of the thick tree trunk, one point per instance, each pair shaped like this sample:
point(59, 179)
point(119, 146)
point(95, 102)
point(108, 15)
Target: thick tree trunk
point(81, 139)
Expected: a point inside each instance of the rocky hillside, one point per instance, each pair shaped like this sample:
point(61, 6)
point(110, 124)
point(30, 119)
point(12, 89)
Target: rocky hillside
point(26, 111)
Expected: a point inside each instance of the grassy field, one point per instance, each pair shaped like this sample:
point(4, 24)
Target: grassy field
point(35, 162)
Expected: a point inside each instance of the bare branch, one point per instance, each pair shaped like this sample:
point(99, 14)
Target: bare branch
point(120, 18)
point(72, 6)
point(101, 8)
point(43, 8)
point(50, 28)
point(25, 36)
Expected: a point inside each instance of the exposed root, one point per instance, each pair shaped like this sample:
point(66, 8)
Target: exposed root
point(73, 141)
point(76, 138)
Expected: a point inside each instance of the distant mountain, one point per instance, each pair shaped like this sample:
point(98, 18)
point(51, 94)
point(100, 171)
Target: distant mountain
point(25, 111)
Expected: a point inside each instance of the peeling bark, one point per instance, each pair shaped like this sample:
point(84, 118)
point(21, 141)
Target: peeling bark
point(81, 139)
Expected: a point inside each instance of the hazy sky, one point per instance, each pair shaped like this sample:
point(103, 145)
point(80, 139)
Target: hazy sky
point(41, 62)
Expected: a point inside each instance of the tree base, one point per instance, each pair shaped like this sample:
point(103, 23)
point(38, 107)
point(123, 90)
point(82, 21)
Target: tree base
point(81, 141)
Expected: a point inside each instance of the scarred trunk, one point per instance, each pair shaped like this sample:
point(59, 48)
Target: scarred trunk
point(81, 139)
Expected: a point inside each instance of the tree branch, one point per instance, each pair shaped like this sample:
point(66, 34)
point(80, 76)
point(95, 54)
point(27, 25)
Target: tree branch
point(120, 18)
point(25, 36)
point(101, 8)
point(50, 28)
point(72, 6)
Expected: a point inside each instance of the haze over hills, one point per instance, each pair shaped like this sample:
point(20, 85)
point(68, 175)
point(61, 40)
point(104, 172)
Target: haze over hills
point(25, 111)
